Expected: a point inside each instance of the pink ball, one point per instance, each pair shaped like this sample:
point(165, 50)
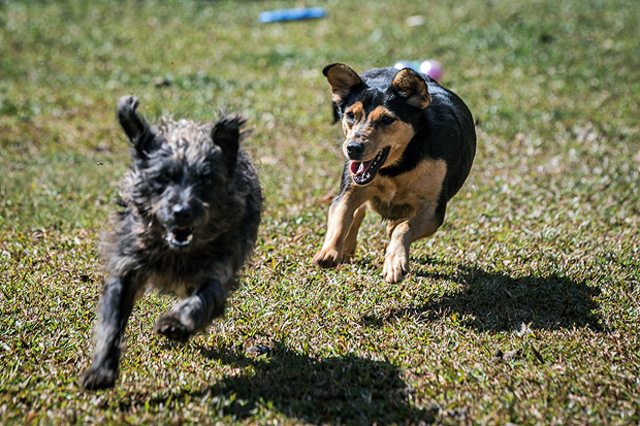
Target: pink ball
point(432, 68)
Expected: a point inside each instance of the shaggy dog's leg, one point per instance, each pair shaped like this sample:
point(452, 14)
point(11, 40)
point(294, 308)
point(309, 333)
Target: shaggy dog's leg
point(193, 313)
point(116, 304)
point(196, 312)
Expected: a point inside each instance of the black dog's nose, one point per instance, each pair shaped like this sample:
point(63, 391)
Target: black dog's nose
point(181, 211)
point(355, 150)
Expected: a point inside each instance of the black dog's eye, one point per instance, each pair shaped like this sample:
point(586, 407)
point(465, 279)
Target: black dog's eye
point(386, 120)
point(351, 117)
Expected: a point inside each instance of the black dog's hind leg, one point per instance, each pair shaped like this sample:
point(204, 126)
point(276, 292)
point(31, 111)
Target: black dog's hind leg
point(115, 308)
point(196, 312)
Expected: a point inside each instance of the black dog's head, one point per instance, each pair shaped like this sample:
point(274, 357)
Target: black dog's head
point(180, 172)
point(379, 115)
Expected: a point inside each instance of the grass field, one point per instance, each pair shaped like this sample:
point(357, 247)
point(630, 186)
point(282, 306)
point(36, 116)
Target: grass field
point(523, 308)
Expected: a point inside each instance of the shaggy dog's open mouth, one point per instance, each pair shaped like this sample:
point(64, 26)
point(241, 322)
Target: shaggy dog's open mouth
point(179, 236)
point(363, 172)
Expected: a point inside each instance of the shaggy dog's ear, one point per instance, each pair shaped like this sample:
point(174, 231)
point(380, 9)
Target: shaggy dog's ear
point(137, 130)
point(342, 80)
point(226, 134)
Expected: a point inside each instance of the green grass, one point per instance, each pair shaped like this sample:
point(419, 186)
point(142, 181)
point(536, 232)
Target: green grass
point(523, 308)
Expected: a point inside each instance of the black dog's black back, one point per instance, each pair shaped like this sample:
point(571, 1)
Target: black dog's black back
point(444, 130)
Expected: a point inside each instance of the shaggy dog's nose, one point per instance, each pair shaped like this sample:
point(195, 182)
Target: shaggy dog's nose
point(181, 211)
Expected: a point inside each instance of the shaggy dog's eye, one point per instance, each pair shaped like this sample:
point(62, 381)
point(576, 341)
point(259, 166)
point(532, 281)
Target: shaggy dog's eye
point(205, 180)
point(163, 179)
point(386, 120)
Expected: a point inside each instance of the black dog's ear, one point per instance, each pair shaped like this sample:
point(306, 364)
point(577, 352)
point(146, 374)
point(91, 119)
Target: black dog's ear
point(137, 130)
point(226, 134)
point(412, 88)
point(342, 80)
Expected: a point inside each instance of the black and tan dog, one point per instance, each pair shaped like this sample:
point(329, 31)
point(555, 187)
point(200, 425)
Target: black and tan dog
point(409, 144)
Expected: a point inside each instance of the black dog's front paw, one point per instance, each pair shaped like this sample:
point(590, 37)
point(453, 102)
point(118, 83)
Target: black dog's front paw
point(98, 378)
point(172, 328)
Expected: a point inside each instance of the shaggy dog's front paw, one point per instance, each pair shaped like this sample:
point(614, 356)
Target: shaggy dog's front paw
point(171, 327)
point(327, 258)
point(98, 378)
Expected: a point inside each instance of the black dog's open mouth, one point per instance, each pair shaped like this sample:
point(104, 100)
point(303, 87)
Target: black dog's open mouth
point(364, 172)
point(180, 236)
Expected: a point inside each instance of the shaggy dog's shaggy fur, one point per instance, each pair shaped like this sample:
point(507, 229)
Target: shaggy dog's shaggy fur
point(191, 205)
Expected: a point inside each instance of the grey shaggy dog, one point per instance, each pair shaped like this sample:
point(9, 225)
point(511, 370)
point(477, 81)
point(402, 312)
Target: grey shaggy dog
point(191, 205)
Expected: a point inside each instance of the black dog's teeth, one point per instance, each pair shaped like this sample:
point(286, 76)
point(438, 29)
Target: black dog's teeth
point(367, 176)
point(377, 159)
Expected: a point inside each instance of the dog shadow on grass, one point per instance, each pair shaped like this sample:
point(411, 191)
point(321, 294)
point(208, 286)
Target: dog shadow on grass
point(342, 389)
point(494, 302)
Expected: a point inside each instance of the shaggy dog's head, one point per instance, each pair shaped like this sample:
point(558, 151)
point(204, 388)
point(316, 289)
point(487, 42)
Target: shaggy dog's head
point(180, 173)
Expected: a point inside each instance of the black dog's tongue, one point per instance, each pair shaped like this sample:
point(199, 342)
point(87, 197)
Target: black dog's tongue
point(358, 168)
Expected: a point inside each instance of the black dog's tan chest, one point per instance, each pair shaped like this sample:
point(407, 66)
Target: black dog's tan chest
point(392, 211)
point(402, 196)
